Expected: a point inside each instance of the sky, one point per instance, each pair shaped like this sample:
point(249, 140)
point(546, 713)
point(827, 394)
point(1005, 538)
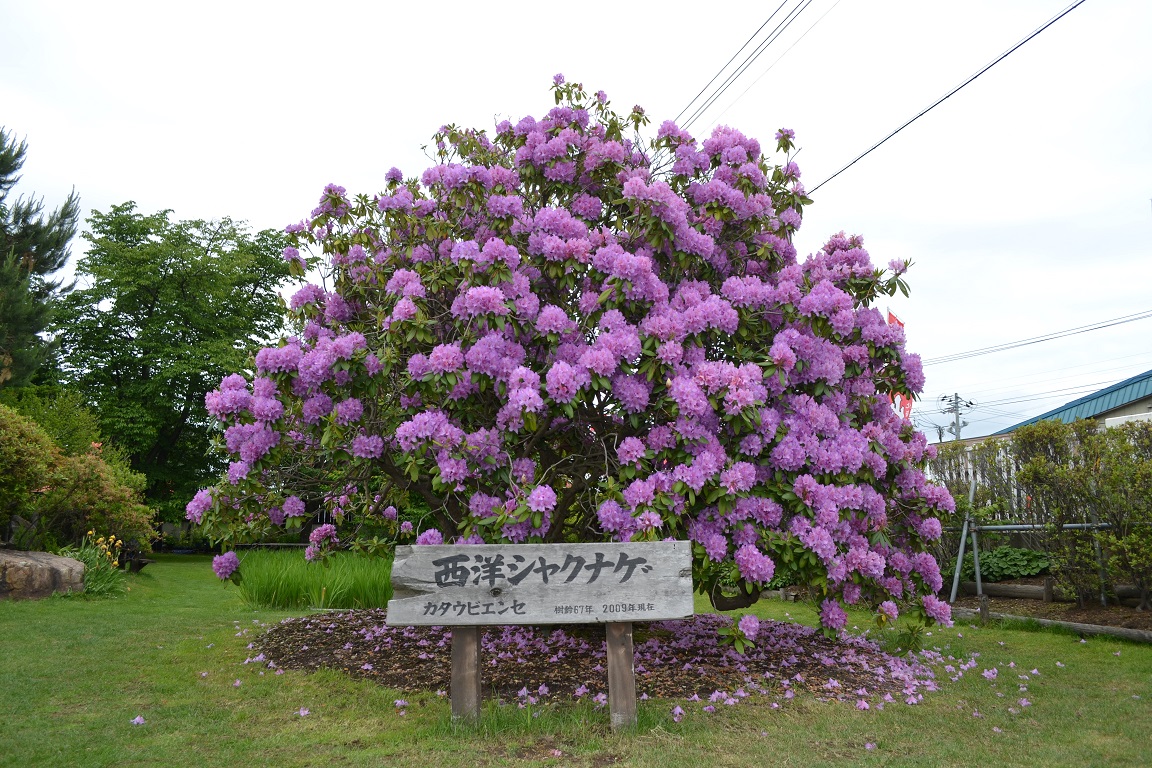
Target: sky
point(1024, 202)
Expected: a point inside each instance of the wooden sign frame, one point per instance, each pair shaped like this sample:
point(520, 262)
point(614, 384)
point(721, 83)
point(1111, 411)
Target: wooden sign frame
point(471, 586)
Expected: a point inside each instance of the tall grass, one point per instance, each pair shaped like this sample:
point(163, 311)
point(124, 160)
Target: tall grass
point(284, 579)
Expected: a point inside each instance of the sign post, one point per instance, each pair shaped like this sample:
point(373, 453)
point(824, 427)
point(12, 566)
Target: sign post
point(467, 587)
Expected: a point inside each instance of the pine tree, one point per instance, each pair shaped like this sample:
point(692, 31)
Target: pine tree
point(33, 248)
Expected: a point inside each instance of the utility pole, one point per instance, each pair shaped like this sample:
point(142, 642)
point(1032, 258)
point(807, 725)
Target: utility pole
point(955, 406)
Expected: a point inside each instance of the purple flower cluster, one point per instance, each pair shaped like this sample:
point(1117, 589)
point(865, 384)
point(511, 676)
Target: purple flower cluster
point(225, 565)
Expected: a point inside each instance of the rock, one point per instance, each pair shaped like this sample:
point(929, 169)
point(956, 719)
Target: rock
point(31, 575)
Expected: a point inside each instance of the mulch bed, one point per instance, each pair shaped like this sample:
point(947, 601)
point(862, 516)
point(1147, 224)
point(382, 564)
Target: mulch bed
point(1093, 613)
point(674, 660)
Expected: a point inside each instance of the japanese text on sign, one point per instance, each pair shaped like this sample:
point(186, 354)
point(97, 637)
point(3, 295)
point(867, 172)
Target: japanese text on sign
point(456, 570)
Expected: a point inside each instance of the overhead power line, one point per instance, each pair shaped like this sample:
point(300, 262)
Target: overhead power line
point(952, 92)
point(773, 64)
point(998, 385)
point(1142, 315)
point(727, 63)
point(749, 60)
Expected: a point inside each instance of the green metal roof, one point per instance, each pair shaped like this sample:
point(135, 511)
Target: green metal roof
point(1090, 406)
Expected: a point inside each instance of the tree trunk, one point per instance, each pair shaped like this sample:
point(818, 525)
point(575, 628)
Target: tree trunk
point(744, 598)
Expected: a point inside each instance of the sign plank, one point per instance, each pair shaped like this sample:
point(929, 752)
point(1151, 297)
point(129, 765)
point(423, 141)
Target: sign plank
point(540, 583)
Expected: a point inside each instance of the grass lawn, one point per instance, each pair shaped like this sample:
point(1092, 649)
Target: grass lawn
point(76, 672)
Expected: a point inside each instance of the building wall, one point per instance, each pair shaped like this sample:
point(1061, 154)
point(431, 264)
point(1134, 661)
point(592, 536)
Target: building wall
point(1142, 406)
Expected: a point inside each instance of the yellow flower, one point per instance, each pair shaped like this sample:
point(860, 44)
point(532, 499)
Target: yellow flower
point(115, 563)
point(100, 540)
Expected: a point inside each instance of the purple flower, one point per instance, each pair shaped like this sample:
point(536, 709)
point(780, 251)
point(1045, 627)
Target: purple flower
point(138, 720)
point(630, 451)
point(542, 499)
point(367, 446)
point(564, 381)
point(749, 625)
point(225, 565)
point(201, 503)
point(741, 477)
point(303, 712)
point(349, 411)
point(832, 615)
point(322, 533)
point(446, 358)
point(888, 608)
point(293, 506)
point(937, 609)
point(753, 564)
point(648, 521)
point(429, 537)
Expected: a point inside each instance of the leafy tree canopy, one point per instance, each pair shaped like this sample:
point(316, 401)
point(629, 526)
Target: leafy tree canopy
point(167, 308)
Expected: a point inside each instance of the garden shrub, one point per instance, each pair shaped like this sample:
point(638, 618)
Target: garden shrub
point(1053, 474)
point(1001, 564)
point(27, 457)
point(63, 496)
point(568, 331)
point(87, 492)
point(1124, 486)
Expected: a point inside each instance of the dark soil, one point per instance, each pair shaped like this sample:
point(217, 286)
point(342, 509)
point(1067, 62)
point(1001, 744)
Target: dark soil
point(1093, 613)
point(674, 660)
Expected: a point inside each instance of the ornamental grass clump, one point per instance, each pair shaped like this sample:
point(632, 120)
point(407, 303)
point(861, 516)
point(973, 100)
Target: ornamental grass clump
point(285, 580)
point(568, 331)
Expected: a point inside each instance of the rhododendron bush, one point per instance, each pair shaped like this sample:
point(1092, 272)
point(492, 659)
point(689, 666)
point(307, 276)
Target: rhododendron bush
point(565, 331)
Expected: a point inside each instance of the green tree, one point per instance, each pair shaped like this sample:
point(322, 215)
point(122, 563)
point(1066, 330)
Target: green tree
point(169, 308)
point(33, 247)
point(62, 414)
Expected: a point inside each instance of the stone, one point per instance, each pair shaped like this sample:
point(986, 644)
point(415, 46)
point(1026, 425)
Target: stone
point(32, 575)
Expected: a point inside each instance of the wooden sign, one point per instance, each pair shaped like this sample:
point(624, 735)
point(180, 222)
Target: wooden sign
point(467, 587)
point(541, 583)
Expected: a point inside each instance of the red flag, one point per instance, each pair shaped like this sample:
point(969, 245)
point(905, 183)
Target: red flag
point(903, 404)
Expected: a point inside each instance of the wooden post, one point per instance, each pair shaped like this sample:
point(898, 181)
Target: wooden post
point(466, 673)
point(1048, 589)
point(984, 609)
point(621, 675)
